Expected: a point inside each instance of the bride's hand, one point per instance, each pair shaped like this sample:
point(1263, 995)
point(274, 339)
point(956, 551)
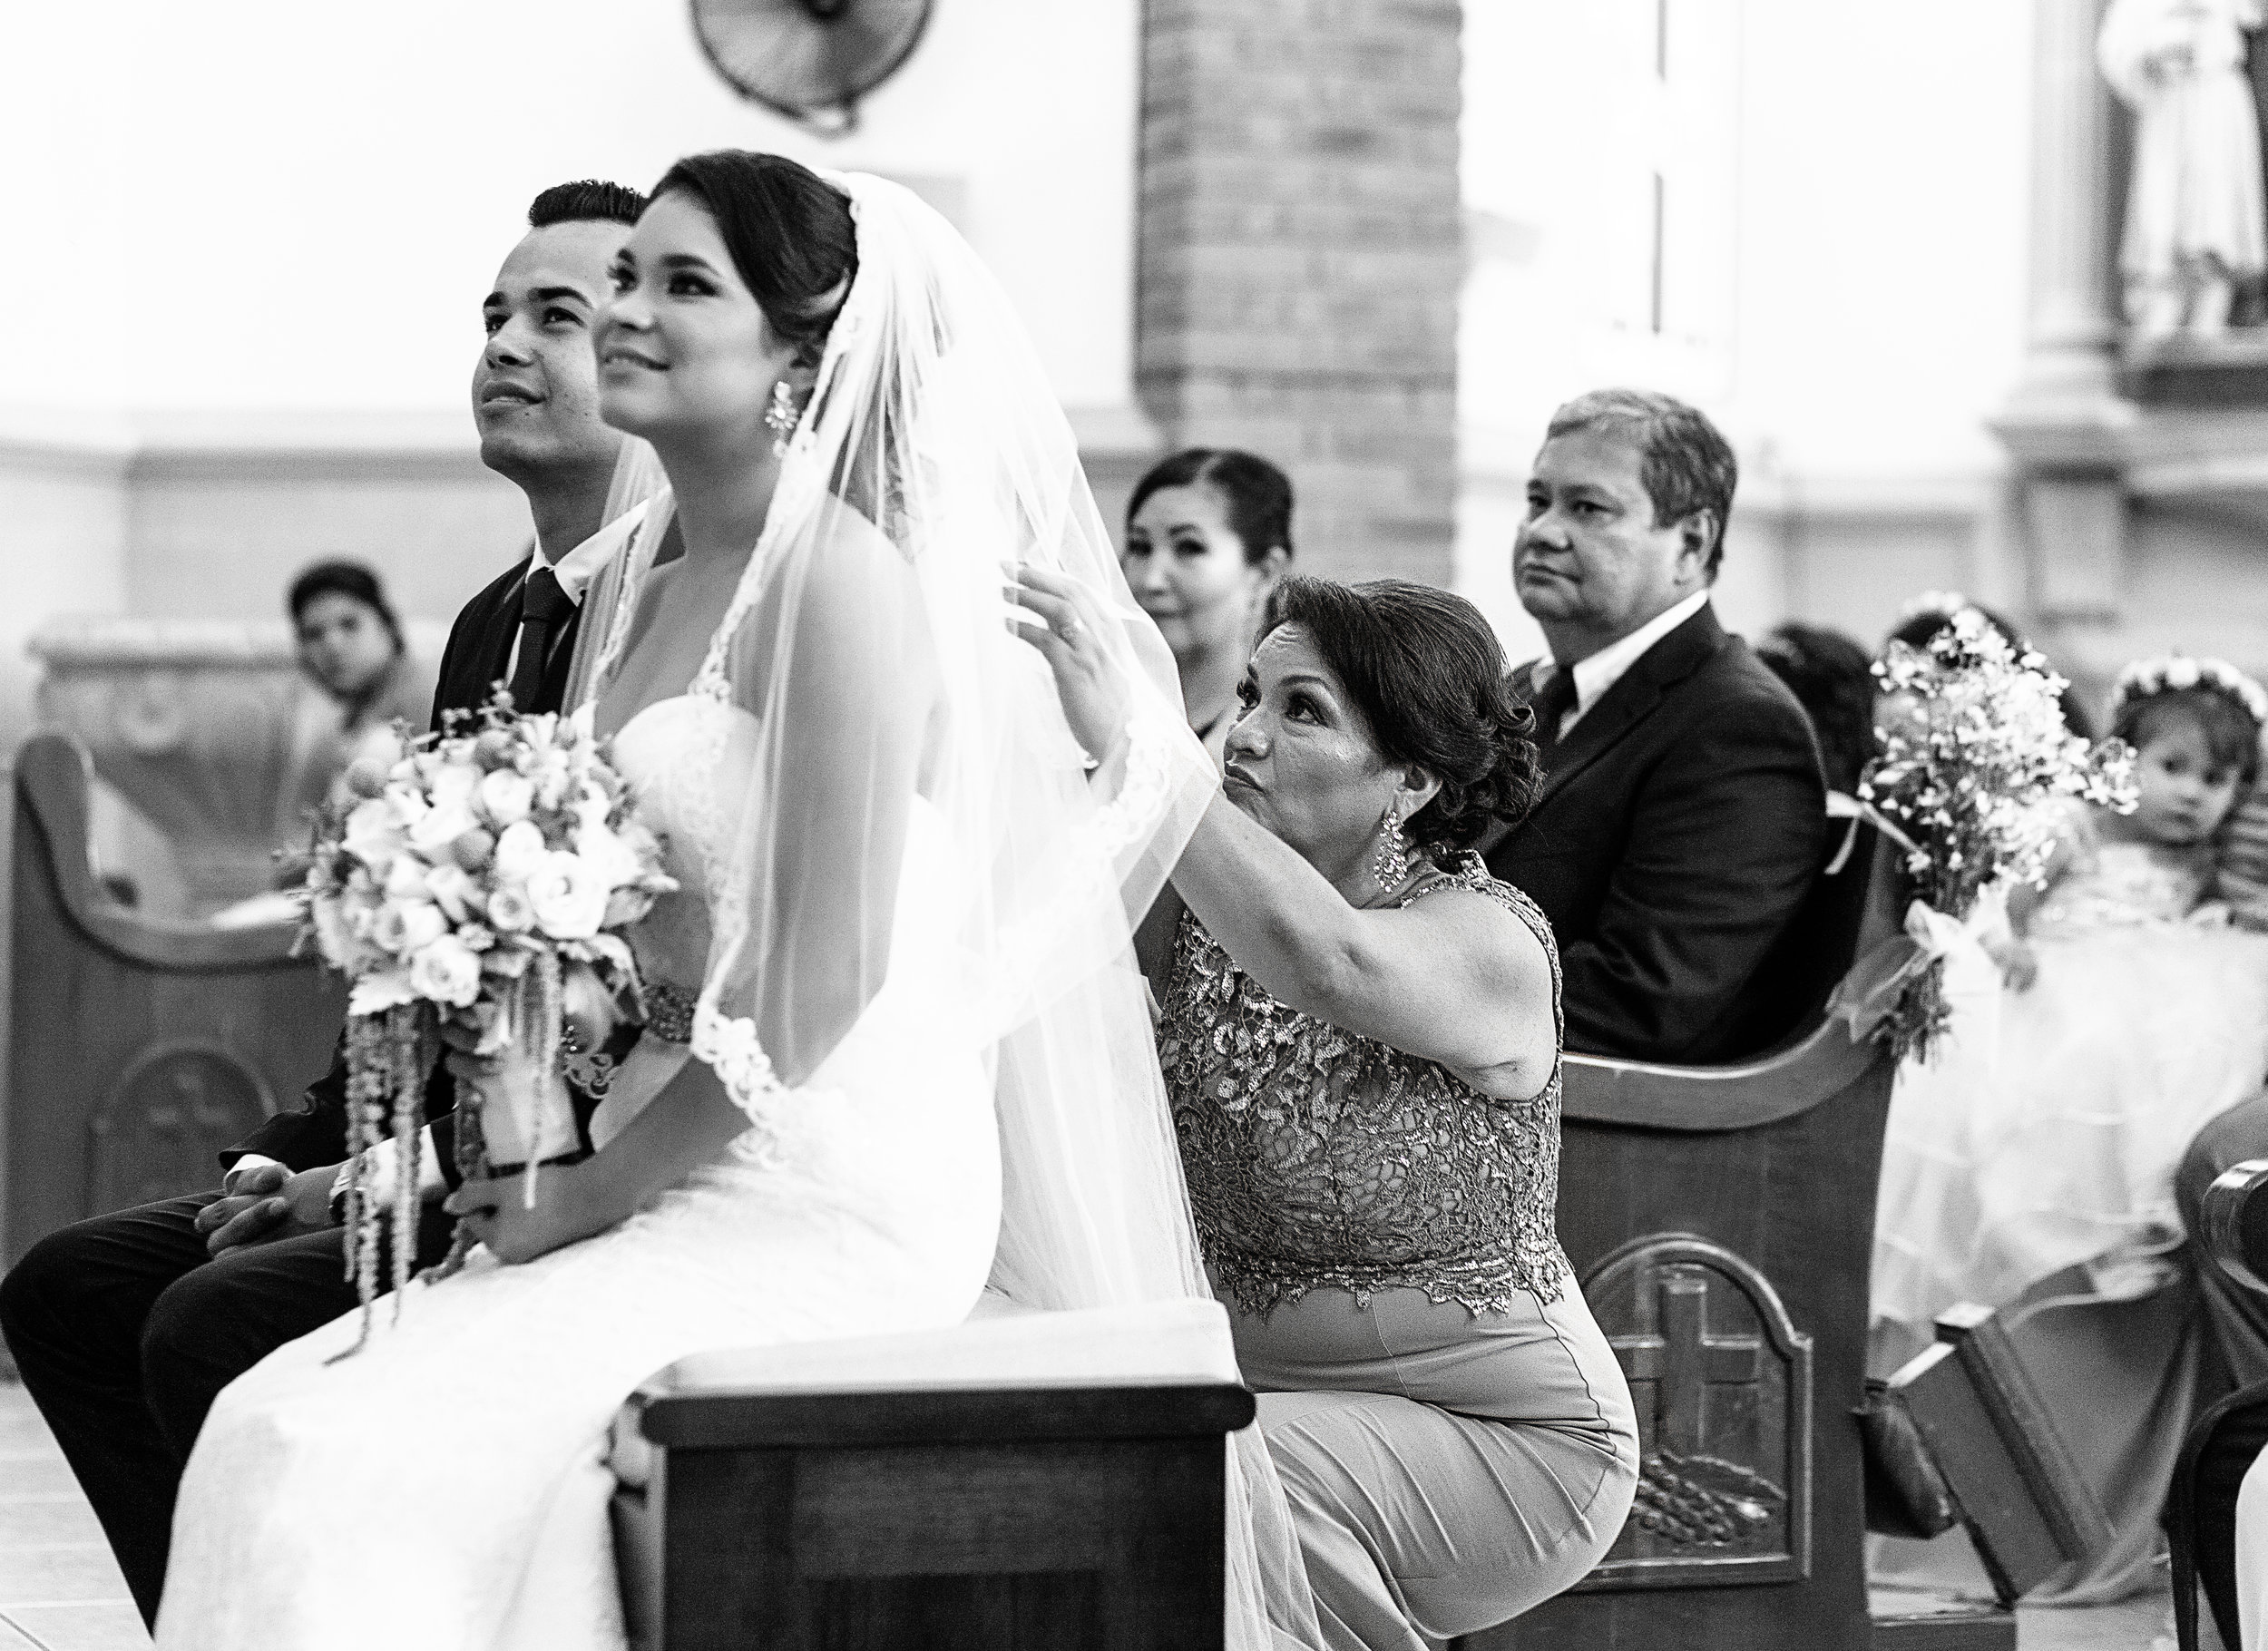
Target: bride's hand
point(498, 1212)
point(1068, 634)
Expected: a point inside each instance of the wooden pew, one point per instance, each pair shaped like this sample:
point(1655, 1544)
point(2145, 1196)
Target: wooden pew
point(1721, 1220)
point(1024, 1480)
point(139, 1046)
point(2234, 1216)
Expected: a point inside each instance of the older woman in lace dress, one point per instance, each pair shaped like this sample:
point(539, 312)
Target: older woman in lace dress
point(1360, 1035)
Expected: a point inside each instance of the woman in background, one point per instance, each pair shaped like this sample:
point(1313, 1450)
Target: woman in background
point(352, 649)
point(1209, 532)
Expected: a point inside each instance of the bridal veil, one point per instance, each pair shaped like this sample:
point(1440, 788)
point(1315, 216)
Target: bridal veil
point(869, 641)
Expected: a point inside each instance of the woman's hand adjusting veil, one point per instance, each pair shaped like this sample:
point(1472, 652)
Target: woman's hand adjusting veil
point(1070, 630)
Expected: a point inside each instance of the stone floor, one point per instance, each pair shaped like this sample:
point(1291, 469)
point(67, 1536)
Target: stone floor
point(59, 1590)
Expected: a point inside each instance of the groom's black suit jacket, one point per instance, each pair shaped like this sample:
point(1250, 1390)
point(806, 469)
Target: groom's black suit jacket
point(479, 644)
point(1678, 830)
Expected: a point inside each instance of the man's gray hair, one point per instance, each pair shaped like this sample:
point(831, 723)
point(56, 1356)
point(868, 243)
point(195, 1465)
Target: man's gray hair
point(1684, 461)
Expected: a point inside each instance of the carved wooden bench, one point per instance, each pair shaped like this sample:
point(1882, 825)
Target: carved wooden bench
point(2234, 1216)
point(1721, 1220)
point(1035, 1479)
point(139, 1046)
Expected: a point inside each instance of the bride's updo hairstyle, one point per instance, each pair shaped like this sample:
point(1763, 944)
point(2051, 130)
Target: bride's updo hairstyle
point(1430, 678)
point(788, 230)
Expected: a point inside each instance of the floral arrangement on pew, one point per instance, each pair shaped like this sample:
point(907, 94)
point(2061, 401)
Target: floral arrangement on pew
point(1973, 750)
point(465, 878)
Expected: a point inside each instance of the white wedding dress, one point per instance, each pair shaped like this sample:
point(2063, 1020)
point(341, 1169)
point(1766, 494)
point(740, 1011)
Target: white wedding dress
point(444, 1488)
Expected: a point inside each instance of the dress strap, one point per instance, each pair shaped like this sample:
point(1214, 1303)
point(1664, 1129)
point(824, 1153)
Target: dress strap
point(1472, 872)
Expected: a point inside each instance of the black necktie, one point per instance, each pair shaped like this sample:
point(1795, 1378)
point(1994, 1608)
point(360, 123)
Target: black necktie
point(543, 605)
point(1551, 703)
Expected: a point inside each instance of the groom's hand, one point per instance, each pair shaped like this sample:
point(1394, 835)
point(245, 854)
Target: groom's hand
point(267, 1203)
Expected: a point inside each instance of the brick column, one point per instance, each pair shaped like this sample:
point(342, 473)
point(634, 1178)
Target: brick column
point(1300, 256)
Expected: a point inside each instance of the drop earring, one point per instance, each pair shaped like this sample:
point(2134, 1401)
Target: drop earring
point(780, 417)
point(1391, 865)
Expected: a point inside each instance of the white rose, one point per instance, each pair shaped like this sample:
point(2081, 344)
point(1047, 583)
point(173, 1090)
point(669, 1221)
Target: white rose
point(610, 858)
point(407, 803)
point(422, 925)
point(446, 971)
point(568, 898)
point(452, 889)
point(2181, 673)
point(509, 912)
point(441, 826)
point(519, 851)
point(405, 878)
point(454, 782)
point(372, 836)
point(506, 797)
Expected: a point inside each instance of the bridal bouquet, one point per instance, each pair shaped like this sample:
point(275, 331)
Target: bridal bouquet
point(1973, 750)
point(466, 877)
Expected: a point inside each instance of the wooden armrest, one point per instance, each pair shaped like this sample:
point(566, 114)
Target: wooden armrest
point(51, 779)
point(1602, 1088)
point(1162, 1369)
point(2236, 1222)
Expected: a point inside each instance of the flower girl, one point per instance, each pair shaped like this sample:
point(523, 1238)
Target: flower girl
point(2132, 1013)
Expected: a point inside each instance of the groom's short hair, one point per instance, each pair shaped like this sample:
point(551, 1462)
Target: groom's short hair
point(585, 201)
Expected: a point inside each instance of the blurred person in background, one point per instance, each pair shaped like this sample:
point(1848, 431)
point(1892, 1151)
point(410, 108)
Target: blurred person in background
point(1682, 823)
point(1209, 532)
point(352, 648)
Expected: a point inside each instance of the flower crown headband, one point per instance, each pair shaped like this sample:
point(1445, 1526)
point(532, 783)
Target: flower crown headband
point(2177, 673)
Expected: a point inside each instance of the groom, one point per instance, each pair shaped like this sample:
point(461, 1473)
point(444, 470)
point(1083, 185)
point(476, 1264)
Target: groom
point(127, 1326)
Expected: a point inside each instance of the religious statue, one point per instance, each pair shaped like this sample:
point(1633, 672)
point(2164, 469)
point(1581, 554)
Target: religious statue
point(2193, 206)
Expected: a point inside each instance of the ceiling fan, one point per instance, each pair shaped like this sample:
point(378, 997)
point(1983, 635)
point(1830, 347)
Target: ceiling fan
point(809, 60)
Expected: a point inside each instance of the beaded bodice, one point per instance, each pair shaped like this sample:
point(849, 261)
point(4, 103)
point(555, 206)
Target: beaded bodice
point(1316, 1156)
point(2114, 885)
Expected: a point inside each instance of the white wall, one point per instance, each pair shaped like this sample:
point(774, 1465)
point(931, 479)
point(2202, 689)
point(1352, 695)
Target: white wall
point(1844, 285)
point(270, 205)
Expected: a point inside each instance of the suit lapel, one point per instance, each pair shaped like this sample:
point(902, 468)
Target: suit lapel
point(1633, 697)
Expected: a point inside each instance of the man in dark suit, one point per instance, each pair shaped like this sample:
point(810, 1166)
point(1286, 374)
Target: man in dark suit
point(1682, 819)
point(126, 1327)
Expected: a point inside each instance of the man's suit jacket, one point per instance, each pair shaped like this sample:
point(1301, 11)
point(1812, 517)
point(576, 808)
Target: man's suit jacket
point(1680, 826)
point(479, 644)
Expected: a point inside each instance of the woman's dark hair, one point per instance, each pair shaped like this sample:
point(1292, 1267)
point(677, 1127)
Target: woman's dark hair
point(788, 230)
point(1833, 680)
point(1257, 495)
point(348, 579)
point(2232, 736)
point(1917, 630)
point(1429, 676)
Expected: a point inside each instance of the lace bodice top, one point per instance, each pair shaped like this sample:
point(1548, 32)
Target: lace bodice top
point(2115, 884)
point(1316, 1156)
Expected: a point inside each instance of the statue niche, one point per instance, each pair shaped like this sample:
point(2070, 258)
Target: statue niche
point(1722, 1381)
point(2194, 236)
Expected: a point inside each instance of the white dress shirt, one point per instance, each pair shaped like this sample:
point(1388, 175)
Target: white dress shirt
point(576, 571)
point(1610, 664)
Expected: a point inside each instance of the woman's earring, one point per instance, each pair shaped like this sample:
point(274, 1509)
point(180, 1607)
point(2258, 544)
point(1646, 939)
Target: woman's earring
point(780, 417)
point(1392, 865)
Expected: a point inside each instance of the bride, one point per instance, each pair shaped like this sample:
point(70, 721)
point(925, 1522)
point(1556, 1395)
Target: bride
point(894, 1047)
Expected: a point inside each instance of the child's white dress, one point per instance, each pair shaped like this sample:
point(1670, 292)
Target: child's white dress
point(2056, 1146)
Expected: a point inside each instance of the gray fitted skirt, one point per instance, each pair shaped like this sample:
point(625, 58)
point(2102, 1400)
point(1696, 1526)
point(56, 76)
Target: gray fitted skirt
point(1446, 1470)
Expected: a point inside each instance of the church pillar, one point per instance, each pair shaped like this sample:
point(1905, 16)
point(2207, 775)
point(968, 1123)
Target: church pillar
point(1301, 251)
point(2066, 422)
